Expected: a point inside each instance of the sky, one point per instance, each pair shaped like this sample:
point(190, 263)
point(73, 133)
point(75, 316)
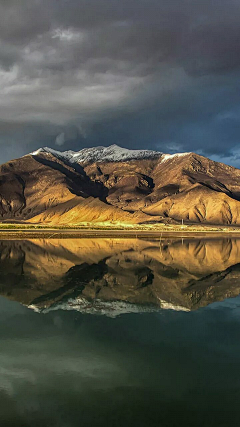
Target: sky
point(157, 74)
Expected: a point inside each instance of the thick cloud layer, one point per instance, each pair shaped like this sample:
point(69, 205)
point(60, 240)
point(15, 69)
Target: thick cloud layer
point(139, 73)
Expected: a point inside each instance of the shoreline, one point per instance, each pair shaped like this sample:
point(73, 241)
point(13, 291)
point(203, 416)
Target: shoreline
point(20, 234)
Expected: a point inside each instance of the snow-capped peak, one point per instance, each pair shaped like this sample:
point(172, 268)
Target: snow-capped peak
point(114, 153)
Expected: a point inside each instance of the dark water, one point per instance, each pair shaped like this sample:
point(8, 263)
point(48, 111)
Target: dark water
point(120, 333)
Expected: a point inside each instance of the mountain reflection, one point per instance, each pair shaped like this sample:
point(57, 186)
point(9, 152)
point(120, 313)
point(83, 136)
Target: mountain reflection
point(95, 274)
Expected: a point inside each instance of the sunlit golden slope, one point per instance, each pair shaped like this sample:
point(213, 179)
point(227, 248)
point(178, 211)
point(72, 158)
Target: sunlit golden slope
point(79, 210)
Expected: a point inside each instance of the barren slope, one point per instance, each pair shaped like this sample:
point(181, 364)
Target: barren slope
point(187, 186)
point(90, 210)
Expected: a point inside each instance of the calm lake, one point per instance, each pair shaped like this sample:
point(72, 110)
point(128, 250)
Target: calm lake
point(117, 332)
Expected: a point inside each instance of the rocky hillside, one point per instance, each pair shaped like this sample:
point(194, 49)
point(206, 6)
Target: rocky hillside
point(112, 184)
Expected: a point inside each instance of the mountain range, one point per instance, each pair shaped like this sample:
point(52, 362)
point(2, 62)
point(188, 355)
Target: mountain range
point(117, 185)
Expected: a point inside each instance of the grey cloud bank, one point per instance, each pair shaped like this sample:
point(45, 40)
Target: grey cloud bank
point(142, 74)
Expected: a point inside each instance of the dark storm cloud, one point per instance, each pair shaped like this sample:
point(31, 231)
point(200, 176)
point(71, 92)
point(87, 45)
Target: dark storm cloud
point(140, 73)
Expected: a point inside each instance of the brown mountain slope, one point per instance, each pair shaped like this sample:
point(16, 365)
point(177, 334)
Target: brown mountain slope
point(30, 185)
point(68, 188)
point(142, 182)
point(163, 176)
point(189, 187)
point(198, 204)
point(128, 183)
point(87, 210)
point(44, 189)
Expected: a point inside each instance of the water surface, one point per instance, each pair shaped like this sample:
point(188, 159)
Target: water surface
point(119, 332)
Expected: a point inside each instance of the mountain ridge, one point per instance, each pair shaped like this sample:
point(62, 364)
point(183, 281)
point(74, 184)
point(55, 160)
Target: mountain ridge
point(114, 184)
point(99, 154)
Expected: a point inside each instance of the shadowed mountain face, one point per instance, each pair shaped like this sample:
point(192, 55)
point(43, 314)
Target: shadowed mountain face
point(83, 273)
point(91, 186)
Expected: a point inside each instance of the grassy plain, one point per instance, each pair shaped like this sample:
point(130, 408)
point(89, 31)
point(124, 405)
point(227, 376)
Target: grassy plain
point(115, 230)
